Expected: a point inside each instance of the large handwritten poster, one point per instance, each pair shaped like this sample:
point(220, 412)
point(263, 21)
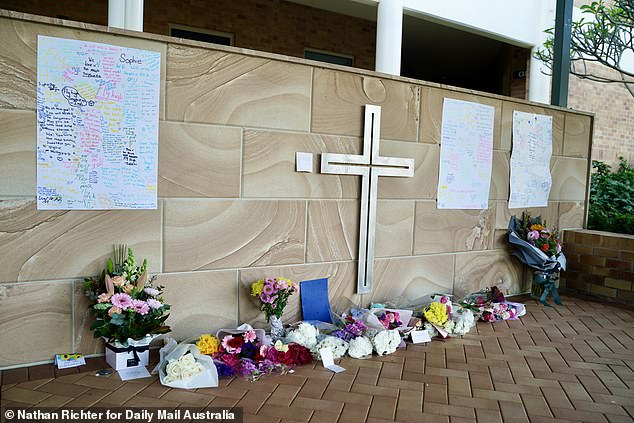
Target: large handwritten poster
point(530, 160)
point(97, 125)
point(466, 155)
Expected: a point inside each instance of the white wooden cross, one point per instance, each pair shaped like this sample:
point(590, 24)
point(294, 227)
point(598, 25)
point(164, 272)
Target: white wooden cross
point(369, 166)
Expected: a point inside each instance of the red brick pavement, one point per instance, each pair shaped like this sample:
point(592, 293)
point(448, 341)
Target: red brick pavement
point(570, 363)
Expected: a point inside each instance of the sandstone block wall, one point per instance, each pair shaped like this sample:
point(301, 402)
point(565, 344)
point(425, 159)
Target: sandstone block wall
point(232, 209)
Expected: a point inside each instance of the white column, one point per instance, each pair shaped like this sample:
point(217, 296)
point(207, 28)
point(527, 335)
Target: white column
point(538, 81)
point(116, 13)
point(389, 33)
point(134, 15)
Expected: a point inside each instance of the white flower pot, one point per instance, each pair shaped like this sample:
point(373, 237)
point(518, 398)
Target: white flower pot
point(136, 354)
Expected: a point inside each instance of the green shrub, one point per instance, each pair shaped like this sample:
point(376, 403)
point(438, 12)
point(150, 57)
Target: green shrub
point(612, 198)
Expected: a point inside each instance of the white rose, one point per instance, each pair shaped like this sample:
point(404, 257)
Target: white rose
point(187, 360)
point(174, 369)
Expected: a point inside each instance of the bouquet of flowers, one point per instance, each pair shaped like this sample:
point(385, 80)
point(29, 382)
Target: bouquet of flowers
point(391, 319)
point(500, 311)
point(386, 341)
point(351, 330)
point(338, 346)
point(273, 294)
point(126, 304)
point(360, 346)
point(305, 335)
point(208, 344)
point(243, 354)
point(183, 368)
point(490, 305)
point(539, 247)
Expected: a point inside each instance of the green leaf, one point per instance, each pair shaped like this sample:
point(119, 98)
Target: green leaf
point(118, 319)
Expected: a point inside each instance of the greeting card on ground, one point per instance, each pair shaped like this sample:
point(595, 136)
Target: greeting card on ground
point(315, 303)
point(65, 361)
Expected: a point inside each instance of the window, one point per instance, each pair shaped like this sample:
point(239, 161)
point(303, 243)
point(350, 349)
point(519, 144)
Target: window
point(329, 57)
point(200, 34)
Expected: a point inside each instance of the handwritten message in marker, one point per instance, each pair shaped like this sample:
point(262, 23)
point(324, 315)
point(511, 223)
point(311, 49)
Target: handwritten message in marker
point(466, 155)
point(97, 125)
point(530, 179)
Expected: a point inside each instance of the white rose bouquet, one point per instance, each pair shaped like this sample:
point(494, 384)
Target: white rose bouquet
point(183, 368)
point(386, 341)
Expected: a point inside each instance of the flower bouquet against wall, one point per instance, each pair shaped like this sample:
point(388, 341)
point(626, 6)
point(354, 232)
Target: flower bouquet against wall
point(539, 247)
point(129, 310)
point(273, 294)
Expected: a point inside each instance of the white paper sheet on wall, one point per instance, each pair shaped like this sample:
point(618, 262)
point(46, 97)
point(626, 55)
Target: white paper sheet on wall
point(97, 125)
point(530, 180)
point(466, 155)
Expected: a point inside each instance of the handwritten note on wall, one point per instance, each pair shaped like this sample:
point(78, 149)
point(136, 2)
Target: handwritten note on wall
point(530, 160)
point(466, 155)
point(97, 125)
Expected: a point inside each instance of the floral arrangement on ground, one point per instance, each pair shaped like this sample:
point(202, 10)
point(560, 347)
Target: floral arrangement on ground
point(243, 354)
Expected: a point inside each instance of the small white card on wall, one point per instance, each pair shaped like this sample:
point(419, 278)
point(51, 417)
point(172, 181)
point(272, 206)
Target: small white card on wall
point(328, 360)
point(420, 336)
point(304, 162)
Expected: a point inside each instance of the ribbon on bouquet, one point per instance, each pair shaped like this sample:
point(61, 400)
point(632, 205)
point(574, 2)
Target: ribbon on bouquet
point(549, 287)
point(135, 349)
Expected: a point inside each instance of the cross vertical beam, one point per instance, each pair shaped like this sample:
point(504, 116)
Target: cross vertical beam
point(369, 165)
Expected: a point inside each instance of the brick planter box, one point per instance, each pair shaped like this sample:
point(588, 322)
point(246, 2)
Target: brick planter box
point(600, 264)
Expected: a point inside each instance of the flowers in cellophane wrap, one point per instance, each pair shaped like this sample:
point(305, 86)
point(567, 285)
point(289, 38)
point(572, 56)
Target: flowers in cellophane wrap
point(125, 302)
point(243, 354)
point(443, 317)
point(208, 344)
point(499, 311)
point(183, 368)
point(538, 245)
point(351, 330)
point(391, 319)
point(540, 248)
point(490, 305)
point(436, 314)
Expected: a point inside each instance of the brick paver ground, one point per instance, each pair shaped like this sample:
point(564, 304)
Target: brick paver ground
point(570, 363)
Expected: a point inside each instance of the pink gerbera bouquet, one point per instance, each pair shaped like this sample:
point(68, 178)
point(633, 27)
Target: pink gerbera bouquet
point(125, 302)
